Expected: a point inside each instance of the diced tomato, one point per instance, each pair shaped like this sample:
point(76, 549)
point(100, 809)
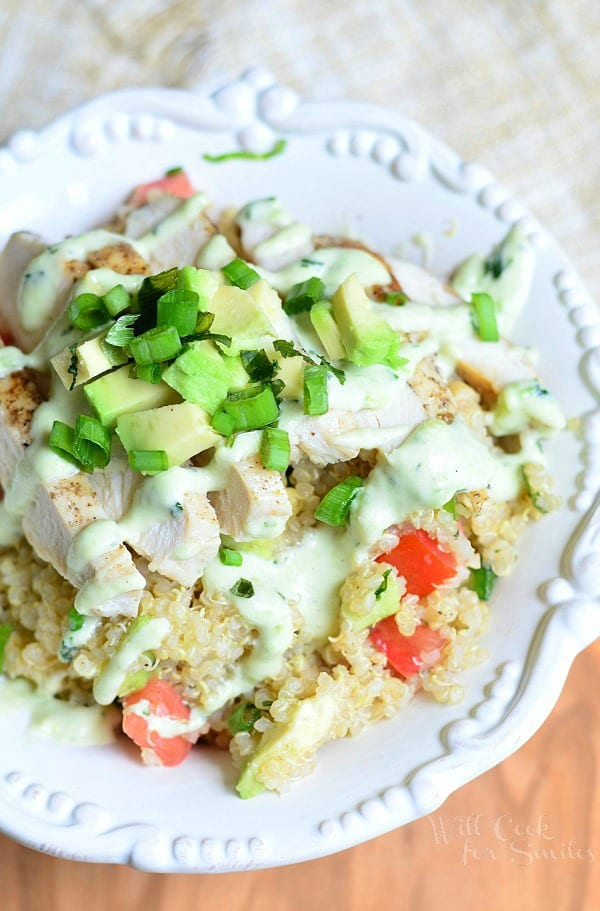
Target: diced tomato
point(407, 654)
point(164, 702)
point(421, 561)
point(176, 184)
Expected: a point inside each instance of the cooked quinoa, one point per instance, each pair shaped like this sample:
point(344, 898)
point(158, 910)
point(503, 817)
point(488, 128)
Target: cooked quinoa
point(287, 590)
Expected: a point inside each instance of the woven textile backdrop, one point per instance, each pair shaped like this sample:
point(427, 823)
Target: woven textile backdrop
point(514, 84)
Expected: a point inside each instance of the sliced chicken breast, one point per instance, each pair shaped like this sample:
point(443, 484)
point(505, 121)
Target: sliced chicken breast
point(488, 366)
point(254, 504)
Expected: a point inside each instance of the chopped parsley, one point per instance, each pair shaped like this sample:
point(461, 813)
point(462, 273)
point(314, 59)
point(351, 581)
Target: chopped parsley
point(383, 586)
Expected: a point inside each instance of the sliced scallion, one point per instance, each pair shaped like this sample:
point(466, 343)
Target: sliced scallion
point(243, 588)
point(148, 373)
point(251, 408)
point(75, 620)
point(179, 309)
point(275, 449)
point(5, 633)
point(87, 311)
point(240, 274)
point(335, 505)
point(258, 365)
point(230, 557)
point(61, 441)
point(172, 172)
point(223, 423)
point(150, 461)
point(156, 345)
point(91, 442)
point(316, 400)
point(485, 315)
point(303, 296)
point(243, 718)
point(120, 333)
point(396, 298)
point(116, 300)
point(483, 581)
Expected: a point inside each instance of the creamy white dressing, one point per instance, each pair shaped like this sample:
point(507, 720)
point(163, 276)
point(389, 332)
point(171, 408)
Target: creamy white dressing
point(332, 265)
point(64, 722)
point(435, 462)
point(146, 637)
point(216, 253)
point(521, 403)
point(45, 274)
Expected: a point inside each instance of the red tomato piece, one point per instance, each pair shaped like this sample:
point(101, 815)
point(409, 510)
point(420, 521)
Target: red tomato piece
point(421, 561)
point(176, 184)
point(164, 702)
point(407, 654)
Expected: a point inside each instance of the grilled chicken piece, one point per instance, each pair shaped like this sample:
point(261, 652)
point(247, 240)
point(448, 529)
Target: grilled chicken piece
point(20, 249)
point(420, 285)
point(181, 547)
point(137, 222)
point(488, 366)
point(433, 391)
point(121, 258)
point(178, 248)
point(340, 435)
point(19, 398)
point(254, 504)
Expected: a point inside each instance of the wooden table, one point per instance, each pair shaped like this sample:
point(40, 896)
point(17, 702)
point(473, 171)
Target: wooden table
point(524, 836)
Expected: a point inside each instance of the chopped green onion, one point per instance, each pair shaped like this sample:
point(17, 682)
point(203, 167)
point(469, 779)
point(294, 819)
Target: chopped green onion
point(5, 632)
point(275, 449)
point(450, 506)
point(73, 368)
point(87, 311)
point(91, 442)
point(240, 274)
point(148, 373)
point(335, 505)
point(223, 423)
point(243, 588)
point(76, 620)
point(303, 296)
point(179, 309)
point(306, 262)
point(277, 149)
point(243, 718)
point(230, 557)
point(258, 366)
point(61, 442)
point(149, 461)
point(116, 356)
point(120, 333)
point(316, 400)
point(153, 287)
point(172, 172)
point(383, 586)
point(156, 345)
point(251, 408)
point(483, 581)
point(396, 298)
point(116, 300)
point(485, 313)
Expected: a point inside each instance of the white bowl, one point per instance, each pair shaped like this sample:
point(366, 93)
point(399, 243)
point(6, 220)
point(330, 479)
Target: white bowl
point(346, 166)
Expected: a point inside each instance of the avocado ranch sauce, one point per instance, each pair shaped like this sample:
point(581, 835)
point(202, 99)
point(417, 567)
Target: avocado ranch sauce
point(431, 463)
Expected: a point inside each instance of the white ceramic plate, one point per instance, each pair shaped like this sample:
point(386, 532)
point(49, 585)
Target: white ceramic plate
point(346, 166)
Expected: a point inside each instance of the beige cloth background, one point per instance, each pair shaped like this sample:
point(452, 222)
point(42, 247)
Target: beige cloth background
point(514, 84)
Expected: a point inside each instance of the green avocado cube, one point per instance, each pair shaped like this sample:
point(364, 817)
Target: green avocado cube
point(182, 431)
point(367, 338)
point(240, 317)
point(388, 603)
point(118, 393)
point(326, 328)
point(202, 376)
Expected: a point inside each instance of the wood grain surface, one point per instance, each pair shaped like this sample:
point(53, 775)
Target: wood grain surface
point(525, 836)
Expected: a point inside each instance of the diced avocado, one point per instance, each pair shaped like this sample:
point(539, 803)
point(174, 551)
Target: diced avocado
point(388, 603)
point(307, 727)
point(505, 274)
point(267, 299)
point(326, 328)
point(77, 365)
point(367, 338)
point(291, 372)
point(118, 393)
point(202, 281)
point(203, 377)
point(239, 316)
point(181, 431)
